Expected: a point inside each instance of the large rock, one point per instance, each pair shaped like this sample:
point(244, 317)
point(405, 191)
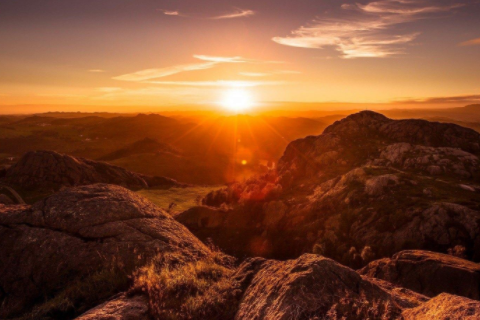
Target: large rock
point(428, 273)
point(52, 170)
point(77, 232)
point(445, 307)
point(314, 287)
point(119, 308)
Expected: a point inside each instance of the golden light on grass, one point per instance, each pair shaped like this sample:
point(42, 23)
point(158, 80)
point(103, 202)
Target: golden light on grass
point(237, 100)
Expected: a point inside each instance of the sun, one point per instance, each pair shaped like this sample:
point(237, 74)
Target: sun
point(237, 100)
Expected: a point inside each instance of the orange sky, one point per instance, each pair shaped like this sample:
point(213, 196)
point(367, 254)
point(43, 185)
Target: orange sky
point(124, 56)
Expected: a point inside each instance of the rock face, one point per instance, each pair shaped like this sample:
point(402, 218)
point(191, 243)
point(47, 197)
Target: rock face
point(119, 308)
point(314, 287)
point(428, 273)
point(76, 233)
point(52, 170)
point(445, 307)
point(368, 183)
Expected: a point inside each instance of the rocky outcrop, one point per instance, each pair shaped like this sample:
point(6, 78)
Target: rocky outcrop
point(90, 231)
point(428, 273)
point(430, 160)
point(445, 307)
point(52, 170)
point(120, 308)
point(314, 287)
point(367, 184)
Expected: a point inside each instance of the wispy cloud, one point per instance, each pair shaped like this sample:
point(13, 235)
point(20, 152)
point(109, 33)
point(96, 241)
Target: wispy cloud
point(220, 59)
point(218, 83)
point(265, 74)
point(96, 70)
point(368, 30)
point(473, 42)
point(163, 72)
point(236, 59)
point(208, 63)
point(254, 74)
point(174, 13)
point(171, 13)
point(473, 98)
point(238, 13)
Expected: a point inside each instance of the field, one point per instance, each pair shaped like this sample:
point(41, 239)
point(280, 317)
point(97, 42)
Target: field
point(177, 200)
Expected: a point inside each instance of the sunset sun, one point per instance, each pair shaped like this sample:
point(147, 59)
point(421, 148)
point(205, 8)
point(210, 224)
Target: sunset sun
point(236, 100)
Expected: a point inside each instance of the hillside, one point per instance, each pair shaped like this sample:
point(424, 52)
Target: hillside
point(40, 173)
point(367, 184)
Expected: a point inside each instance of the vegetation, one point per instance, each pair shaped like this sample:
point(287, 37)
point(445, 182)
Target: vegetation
point(176, 200)
point(177, 289)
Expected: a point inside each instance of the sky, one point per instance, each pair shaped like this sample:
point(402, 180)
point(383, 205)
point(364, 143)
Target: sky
point(146, 55)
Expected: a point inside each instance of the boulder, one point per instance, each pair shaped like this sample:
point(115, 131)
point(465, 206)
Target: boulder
point(119, 308)
point(445, 307)
point(315, 287)
point(428, 273)
point(80, 232)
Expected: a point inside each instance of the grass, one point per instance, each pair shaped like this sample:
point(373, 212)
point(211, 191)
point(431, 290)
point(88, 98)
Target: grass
point(177, 289)
point(181, 198)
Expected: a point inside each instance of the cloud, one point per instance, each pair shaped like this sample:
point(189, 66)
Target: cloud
point(220, 59)
point(238, 13)
point(368, 30)
point(171, 13)
point(96, 70)
point(163, 72)
point(265, 74)
point(473, 98)
point(254, 74)
point(236, 59)
point(218, 83)
point(209, 62)
point(473, 42)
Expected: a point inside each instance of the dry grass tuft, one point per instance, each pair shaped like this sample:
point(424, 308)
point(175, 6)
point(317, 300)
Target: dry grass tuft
point(192, 290)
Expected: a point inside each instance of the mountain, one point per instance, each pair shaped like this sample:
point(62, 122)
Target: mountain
point(43, 170)
point(368, 185)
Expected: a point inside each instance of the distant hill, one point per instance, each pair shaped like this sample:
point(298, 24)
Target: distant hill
point(48, 170)
point(144, 146)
